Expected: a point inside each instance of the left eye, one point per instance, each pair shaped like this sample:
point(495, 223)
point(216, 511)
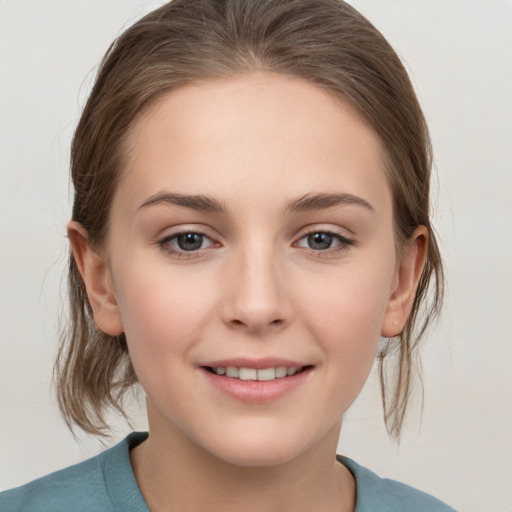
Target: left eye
point(188, 241)
point(322, 240)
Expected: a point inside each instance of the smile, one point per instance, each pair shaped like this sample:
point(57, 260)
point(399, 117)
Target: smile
point(256, 381)
point(260, 374)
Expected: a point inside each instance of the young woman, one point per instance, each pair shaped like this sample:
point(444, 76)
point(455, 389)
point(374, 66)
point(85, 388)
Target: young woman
point(251, 215)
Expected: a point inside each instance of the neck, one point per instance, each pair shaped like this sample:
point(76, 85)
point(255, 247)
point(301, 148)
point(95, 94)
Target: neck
point(174, 474)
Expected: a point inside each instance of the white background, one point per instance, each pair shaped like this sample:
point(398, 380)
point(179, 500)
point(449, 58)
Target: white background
point(459, 55)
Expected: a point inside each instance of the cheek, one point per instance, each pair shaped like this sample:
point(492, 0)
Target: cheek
point(163, 313)
point(351, 301)
point(346, 315)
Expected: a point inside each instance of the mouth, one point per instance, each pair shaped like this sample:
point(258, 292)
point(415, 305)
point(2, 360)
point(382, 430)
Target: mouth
point(257, 374)
point(256, 381)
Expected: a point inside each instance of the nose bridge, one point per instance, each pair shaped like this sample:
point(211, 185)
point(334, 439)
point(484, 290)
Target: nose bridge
point(257, 299)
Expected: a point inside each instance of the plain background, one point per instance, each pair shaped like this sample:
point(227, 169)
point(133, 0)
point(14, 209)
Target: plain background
point(459, 55)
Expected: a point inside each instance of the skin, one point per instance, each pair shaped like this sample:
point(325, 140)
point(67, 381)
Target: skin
point(255, 288)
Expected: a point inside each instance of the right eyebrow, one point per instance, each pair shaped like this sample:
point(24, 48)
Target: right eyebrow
point(195, 202)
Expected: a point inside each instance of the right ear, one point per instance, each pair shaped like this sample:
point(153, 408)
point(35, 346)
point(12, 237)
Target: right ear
point(97, 277)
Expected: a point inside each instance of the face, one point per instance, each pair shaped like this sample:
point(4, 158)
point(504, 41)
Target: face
point(251, 234)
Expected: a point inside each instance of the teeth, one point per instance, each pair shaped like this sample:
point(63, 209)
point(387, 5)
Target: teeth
point(281, 371)
point(247, 374)
point(267, 374)
point(253, 374)
point(231, 371)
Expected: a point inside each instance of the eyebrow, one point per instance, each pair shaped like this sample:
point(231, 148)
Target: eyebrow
point(195, 202)
point(307, 202)
point(311, 202)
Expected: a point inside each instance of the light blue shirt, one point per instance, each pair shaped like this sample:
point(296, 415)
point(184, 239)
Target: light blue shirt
point(106, 483)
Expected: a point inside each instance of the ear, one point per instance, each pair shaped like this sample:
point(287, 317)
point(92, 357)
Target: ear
point(405, 284)
point(96, 274)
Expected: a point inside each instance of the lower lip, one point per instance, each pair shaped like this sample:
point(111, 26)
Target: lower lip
point(256, 391)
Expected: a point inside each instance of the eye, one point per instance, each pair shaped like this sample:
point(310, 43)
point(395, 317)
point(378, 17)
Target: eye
point(323, 240)
point(186, 242)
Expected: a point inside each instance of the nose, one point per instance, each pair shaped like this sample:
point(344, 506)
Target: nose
point(257, 299)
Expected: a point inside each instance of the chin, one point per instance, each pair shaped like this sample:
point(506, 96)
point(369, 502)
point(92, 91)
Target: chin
point(260, 447)
point(254, 456)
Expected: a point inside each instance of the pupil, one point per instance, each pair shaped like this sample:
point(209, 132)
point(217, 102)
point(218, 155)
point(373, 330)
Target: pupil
point(320, 240)
point(190, 241)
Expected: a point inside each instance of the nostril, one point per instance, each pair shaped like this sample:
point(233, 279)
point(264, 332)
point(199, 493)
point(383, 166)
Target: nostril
point(257, 326)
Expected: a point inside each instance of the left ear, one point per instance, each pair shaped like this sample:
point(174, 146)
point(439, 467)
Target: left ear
point(405, 283)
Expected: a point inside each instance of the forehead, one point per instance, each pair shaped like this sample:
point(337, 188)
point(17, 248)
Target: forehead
point(258, 134)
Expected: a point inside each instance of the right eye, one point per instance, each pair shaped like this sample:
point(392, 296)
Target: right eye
point(186, 242)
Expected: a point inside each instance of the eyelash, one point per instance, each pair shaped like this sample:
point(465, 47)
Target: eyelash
point(343, 244)
point(165, 244)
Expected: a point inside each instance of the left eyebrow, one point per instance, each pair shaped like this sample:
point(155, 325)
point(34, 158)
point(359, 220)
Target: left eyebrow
point(310, 202)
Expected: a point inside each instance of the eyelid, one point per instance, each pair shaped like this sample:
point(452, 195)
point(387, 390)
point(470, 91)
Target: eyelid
point(180, 229)
point(175, 236)
point(345, 242)
point(163, 241)
point(338, 231)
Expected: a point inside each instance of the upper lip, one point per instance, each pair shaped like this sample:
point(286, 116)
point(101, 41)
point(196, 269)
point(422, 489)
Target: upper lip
point(259, 364)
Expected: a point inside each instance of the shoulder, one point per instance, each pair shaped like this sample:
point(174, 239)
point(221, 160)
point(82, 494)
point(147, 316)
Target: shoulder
point(385, 495)
point(87, 486)
point(66, 489)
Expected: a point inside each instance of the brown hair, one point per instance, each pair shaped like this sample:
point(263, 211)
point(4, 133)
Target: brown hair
point(326, 42)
